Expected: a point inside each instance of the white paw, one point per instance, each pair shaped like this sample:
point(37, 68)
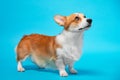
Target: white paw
point(20, 69)
point(73, 71)
point(63, 73)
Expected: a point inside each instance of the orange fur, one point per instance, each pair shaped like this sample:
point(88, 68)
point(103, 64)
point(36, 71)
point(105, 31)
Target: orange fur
point(37, 44)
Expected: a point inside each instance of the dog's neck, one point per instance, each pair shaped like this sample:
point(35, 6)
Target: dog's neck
point(72, 35)
point(71, 38)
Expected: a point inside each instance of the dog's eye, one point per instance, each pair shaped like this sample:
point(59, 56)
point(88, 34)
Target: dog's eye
point(77, 18)
point(84, 16)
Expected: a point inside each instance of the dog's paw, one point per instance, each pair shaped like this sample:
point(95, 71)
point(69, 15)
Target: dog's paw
point(20, 69)
point(63, 73)
point(73, 71)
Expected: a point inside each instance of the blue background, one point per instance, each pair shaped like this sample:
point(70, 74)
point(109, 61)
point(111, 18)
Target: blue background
point(101, 50)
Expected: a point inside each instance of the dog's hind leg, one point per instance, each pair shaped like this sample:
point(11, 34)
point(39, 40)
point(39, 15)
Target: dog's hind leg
point(23, 51)
point(19, 63)
point(20, 67)
point(21, 56)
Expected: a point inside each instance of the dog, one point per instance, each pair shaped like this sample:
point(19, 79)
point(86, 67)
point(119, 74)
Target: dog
point(55, 51)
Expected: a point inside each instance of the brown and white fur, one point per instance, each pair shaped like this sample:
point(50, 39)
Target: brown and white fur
point(55, 51)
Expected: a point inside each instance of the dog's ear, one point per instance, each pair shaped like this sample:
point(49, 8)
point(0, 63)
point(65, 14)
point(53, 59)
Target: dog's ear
point(60, 19)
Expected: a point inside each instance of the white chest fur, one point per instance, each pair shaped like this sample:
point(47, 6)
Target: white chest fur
point(71, 45)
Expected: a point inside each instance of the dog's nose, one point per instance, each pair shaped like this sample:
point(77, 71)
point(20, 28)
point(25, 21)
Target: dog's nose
point(89, 21)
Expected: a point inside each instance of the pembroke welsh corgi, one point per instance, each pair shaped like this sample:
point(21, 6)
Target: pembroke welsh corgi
point(55, 51)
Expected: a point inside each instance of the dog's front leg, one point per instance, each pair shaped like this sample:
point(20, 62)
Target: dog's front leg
point(71, 68)
point(61, 67)
point(60, 63)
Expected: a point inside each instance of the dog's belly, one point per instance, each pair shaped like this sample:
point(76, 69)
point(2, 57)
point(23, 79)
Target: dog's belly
point(44, 62)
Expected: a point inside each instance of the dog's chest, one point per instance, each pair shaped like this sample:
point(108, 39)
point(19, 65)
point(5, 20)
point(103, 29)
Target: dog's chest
point(71, 47)
point(71, 51)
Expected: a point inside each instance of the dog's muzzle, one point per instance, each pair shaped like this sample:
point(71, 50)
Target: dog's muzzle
point(89, 24)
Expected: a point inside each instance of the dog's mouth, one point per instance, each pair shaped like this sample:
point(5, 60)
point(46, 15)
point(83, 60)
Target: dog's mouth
point(85, 27)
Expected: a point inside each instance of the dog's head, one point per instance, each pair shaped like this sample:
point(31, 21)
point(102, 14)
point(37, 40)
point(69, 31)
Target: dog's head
point(75, 22)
